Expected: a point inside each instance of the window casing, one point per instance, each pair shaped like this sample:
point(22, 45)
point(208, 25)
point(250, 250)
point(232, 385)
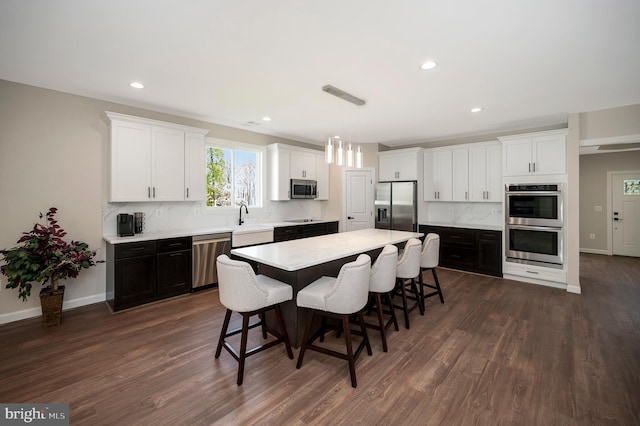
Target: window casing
point(234, 174)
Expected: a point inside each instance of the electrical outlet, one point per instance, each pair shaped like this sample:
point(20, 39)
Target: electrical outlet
point(158, 212)
point(592, 236)
point(598, 208)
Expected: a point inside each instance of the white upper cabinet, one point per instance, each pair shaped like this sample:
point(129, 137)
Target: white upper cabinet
point(543, 153)
point(303, 165)
point(400, 164)
point(149, 159)
point(194, 167)
point(460, 174)
point(285, 162)
point(470, 172)
point(485, 173)
point(438, 175)
point(322, 177)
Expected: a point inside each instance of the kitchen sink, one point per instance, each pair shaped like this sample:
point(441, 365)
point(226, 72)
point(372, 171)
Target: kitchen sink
point(248, 235)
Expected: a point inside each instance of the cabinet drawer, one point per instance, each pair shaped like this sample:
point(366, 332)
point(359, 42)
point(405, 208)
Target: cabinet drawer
point(490, 235)
point(174, 244)
point(458, 257)
point(142, 248)
point(457, 236)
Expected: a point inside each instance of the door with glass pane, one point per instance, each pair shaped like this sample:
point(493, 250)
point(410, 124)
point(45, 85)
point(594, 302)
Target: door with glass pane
point(626, 214)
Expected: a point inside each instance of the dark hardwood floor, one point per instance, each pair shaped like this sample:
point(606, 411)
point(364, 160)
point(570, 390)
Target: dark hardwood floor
point(498, 352)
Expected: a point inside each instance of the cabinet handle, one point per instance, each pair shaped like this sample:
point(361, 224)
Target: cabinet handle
point(532, 272)
point(187, 192)
point(175, 254)
point(529, 167)
point(137, 248)
point(154, 192)
point(466, 195)
point(534, 167)
point(148, 192)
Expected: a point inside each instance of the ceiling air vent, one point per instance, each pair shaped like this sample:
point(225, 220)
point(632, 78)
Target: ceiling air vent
point(342, 95)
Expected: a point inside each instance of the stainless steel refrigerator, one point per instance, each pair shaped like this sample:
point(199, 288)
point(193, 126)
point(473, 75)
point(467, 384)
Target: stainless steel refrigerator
point(396, 205)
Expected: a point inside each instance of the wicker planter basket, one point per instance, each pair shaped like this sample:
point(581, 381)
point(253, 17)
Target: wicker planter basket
point(51, 302)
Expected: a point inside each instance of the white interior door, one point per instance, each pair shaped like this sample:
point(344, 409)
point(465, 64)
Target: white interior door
point(625, 198)
point(358, 199)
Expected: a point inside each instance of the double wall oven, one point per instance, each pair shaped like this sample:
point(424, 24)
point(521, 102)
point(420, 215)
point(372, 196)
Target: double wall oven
point(534, 217)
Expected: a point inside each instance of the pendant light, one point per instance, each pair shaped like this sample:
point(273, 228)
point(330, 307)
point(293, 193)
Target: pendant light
point(359, 157)
point(349, 155)
point(328, 151)
point(340, 154)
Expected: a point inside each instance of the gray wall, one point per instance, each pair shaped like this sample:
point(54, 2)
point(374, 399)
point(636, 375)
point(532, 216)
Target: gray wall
point(593, 192)
point(612, 122)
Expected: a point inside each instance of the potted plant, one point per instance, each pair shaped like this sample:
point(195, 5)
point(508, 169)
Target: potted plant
point(43, 256)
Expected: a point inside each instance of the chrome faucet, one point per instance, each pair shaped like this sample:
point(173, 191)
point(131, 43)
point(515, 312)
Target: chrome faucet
point(240, 220)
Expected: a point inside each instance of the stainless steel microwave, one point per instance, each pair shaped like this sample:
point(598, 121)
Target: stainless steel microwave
point(303, 188)
point(534, 204)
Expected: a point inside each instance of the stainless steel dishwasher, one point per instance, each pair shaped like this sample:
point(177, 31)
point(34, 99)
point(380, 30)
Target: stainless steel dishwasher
point(206, 248)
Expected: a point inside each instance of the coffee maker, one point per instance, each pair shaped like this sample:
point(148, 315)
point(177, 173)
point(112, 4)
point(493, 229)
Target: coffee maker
point(125, 225)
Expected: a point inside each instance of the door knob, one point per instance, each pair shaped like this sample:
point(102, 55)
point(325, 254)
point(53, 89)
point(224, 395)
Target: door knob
point(350, 217)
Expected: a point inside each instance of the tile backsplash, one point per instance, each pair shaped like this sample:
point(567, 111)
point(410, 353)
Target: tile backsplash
point(465, 213)
point(184, 215)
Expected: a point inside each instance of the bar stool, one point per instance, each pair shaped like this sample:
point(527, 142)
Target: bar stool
point(382, 282)
point(408, 269)
point(429, 259)
point(242, 291)
point(339, 298)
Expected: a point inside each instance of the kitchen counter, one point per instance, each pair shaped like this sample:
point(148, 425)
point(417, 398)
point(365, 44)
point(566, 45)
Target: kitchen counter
point(299, 254)
point(150, 236)
point(485, 227)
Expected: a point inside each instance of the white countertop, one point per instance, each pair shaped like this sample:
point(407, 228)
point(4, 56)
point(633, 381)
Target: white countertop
point(114, 239)
point(486, 227)
point(299, 254)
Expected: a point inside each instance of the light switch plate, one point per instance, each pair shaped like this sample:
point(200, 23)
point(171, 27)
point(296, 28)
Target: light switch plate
point(598, 208)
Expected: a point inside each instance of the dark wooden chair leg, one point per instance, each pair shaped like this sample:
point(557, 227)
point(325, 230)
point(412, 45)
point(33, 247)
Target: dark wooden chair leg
point(383, 336)
point(435, 277)
point(307, 333)
point(323, 327)
point(350, 359)
point(283, 331)
point(365, 335)
point(403, 290)
point(414, 290)
point(223, 332)
point(421, 283)
point(243, 347)
point(393, 312)
point(263, 325)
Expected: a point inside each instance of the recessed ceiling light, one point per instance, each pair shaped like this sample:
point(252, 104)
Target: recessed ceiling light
point(266, 118)
point(429, 65)
point(136, 85)
point(476, 109)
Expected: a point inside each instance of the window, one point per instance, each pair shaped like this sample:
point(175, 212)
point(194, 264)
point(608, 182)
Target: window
point(631, 187)
point(233, 175)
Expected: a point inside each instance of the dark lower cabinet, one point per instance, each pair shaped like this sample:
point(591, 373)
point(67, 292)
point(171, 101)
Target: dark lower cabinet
point(174, 267)
point(146, 271)
point(472, 250)
point(295, 232)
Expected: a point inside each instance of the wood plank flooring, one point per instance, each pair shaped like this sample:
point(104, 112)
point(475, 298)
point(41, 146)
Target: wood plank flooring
point(498, 352)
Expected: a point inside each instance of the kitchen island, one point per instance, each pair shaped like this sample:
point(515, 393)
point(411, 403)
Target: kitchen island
point(300, 262)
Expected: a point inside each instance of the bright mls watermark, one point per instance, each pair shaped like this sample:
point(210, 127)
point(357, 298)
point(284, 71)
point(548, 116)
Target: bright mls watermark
point(34, 414)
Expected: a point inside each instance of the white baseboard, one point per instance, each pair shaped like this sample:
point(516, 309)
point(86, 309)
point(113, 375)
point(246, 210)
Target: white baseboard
point(36, 312)
point(574, 289)
point(595, 251)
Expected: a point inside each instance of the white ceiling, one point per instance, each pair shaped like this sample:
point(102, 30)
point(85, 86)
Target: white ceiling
point(527, 63)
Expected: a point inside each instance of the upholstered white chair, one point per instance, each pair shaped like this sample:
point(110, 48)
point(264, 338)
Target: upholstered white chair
point(429, 259)
point(381, 283)
point(242, 291)
point(339, 297)
point(407, 270)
